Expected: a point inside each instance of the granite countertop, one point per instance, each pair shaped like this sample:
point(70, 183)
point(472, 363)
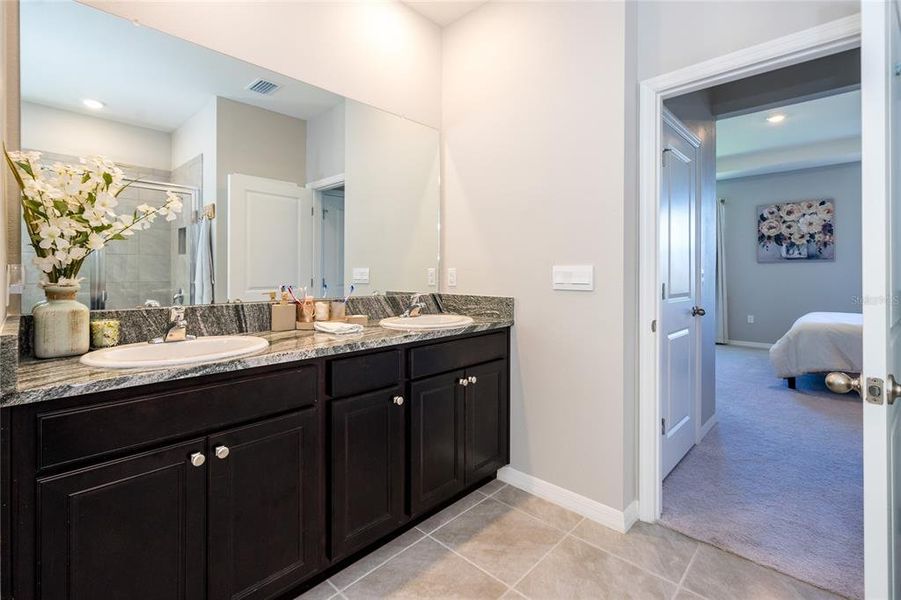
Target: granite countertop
point(41, 380)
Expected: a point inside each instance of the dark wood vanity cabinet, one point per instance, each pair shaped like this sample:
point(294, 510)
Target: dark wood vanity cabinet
point(129, 528)
point(368, 457)
point(437, 438)
point(263, 507)
point(247, 484)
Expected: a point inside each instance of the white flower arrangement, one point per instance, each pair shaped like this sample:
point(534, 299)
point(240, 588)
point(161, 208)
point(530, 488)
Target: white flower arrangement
point(69, 211)
point(796, 224)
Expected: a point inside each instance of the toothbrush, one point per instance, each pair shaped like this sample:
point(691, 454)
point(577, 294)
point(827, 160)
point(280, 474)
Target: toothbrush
point(351, 291)
point(324, 289)
point(290, 290)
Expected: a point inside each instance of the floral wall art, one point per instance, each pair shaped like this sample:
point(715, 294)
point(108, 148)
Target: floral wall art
point(796, 231)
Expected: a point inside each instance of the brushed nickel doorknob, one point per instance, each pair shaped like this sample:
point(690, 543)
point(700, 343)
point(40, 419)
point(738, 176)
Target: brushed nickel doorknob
point(221, 452)
point(197, 459)
point(399, 400)
point(697, 311)
point(842, 383)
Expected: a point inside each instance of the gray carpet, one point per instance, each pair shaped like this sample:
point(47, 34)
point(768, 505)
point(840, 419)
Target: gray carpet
point(779, 479)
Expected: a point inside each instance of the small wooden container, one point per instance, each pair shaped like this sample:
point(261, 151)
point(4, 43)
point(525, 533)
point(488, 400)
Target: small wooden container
point(358, 320)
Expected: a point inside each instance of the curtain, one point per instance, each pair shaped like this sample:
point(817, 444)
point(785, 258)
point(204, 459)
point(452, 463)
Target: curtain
point(204, 276)
point(722, 317)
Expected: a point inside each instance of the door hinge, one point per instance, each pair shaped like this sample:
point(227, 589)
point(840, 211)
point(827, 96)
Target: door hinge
point(663, 291)
point(662, 426)
point(654, 326)
point(312, 211)
point(663, 156)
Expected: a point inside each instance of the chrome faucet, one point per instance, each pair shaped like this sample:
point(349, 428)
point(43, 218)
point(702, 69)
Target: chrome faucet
point(178, 298)
point(177, 330)
point(416, 306)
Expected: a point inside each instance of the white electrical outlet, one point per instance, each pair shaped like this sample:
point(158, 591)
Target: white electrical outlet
point(750, 318)
point(452, 277)
point(431, 275)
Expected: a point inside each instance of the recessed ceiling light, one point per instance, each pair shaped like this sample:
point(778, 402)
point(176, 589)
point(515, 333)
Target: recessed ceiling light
point(93, 104)
point(775, 118)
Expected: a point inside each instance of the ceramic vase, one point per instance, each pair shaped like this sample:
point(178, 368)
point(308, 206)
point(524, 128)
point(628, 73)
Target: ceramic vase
point(61, 323)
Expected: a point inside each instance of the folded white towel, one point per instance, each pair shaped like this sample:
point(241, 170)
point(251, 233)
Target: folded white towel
point(337, 327)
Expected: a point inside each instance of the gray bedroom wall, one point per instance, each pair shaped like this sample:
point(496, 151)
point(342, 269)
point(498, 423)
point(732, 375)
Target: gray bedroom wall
point(777, 294)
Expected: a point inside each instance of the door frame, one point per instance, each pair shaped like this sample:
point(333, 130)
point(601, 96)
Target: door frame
point(321, 185)
point(829, 38)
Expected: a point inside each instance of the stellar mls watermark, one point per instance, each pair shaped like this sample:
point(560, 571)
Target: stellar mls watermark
point(894, 300)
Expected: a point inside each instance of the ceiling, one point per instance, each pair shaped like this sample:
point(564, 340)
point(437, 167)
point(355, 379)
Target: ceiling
point(814, 133)
point(443, 12)
point(70, 52)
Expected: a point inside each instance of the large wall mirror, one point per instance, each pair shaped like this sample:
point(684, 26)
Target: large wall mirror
point(281, 182)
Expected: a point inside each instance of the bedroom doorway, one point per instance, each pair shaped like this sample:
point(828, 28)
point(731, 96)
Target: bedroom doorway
point(779, 147)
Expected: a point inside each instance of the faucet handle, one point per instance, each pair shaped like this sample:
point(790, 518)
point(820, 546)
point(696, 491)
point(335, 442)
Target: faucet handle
point(176, 313)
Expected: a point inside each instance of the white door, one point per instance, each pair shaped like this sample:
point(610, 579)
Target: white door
point(881, 160)
point(678, 328)
point(269, 236)
point(332, 251)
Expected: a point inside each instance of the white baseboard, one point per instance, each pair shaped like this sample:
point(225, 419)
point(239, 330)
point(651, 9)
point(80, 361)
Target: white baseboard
point(705, 428)
point(761, 345)
point(590, 509)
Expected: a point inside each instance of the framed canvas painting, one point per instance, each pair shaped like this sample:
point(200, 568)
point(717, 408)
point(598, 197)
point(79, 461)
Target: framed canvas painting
point(796, 231)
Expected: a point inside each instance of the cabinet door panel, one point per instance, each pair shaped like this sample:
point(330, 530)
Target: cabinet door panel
point(129, 529)
point(437, 440)
point(368, 453)
point(263, 515)
point(486, 421)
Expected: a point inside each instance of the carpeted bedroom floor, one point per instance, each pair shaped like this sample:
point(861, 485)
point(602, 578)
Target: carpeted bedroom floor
point(779, 478)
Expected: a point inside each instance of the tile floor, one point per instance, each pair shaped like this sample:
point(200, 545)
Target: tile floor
point(501, 542)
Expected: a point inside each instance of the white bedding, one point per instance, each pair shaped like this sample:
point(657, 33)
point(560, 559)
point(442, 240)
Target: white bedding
point(820, 342)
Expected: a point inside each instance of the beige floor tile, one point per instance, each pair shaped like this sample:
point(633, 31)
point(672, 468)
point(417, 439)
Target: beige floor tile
point(500, 539)
point(659, 550)
point(492, 486)
point(548, 512)
point(323, 591)
point(375, 558)
point(439, 519)
point(426, 570)
point(575, 569)
point(684, 594)
point(724, 576)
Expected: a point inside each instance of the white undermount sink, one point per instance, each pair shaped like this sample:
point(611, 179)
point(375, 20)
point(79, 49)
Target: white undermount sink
point(425, 322)
point(170, 354)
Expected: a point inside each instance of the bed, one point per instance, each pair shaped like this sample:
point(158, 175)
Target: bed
point(819, 342)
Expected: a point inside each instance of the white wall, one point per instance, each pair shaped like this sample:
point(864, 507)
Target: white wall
point(777, 294)
point(75, 134)
point(325, 144)
point(391, 199)
point(196, 136)
point(676, 33)
point(381, 53)
point(533, 176)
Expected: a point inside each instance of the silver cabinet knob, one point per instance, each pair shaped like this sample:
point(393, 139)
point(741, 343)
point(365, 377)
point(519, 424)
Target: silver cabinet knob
point(197, 459)
point(473, 379)
point(463, 381)
point(221, 452)
point(399, 400)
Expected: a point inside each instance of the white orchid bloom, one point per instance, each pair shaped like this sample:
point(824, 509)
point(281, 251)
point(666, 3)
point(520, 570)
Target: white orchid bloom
point(77, 252)
point(107, 202)
point(44, 263)
point(95, 241)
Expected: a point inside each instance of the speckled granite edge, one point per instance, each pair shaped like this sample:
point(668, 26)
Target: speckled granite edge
point(9, 354)
point(42, 380)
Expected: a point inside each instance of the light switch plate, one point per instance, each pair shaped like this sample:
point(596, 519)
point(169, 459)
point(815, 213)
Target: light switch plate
point(452, 277)
point(573, 277)
point(360, 275)
point(431, 275)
